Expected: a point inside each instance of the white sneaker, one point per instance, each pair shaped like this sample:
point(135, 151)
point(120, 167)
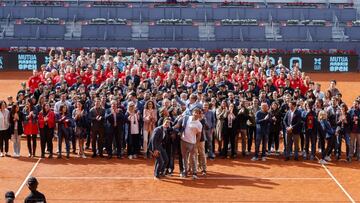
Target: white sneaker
point(1, 154)
point(83, 156)
point(254, 159)
point(263, 158)
point(322, 161)
point(135, 156)
point(130, 157)
point(327, 158)
point(194, 177)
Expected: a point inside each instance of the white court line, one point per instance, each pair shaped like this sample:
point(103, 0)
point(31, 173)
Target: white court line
point(173, 177)
point(27, 177)
point(338, 183)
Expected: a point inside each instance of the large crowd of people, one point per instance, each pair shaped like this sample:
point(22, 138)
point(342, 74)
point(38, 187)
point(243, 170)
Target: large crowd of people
point(187, 106)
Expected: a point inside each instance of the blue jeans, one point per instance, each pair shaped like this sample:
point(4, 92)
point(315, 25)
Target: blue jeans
point(16, 140)
point(346, 137)
point(160, 162)
point(209, 140)
point(261, 137)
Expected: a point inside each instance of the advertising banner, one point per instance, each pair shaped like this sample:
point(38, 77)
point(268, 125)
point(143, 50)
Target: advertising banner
point(307, 62)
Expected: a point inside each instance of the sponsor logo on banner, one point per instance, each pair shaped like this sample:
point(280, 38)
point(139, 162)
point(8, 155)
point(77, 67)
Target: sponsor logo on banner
point(317, 64)
point(27, 62)
point(339, 64)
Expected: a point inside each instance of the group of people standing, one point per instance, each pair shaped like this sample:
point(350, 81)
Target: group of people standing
point(184, 106)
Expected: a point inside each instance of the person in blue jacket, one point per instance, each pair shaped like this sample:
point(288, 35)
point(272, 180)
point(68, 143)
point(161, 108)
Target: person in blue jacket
point(157, 142)
point(325, 130)
point(262, 119)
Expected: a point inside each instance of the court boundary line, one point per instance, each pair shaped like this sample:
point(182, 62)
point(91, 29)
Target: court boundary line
point(337, 182)
point(171, 178)
point(27, 177)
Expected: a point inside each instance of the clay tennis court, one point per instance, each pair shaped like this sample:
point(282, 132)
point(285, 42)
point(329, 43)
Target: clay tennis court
point(102, 180)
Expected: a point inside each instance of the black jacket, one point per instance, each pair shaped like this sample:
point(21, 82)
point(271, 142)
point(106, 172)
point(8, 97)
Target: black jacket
point(296, 121)
point(19, 122)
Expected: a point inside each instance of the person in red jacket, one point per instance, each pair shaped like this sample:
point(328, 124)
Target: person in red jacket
point(46, 125)
point(30, 126)
point(280, 82)
point(34, 81)
point(71, 77)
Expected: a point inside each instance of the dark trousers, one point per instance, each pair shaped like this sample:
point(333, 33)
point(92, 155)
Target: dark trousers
point(4, 139)
point(261, 138)
point(88, 137)
point(32, 149)
point(177, 151)
point(97, 136)
point(170, 154)
point(160, 162)
point(229, 136)
point(251, 136)
point(274, 136)
point(310, 135)
point(64, 134)
point(134, 144)
point(46, 137)
point(302, 141)
point(73, 139)
point(329, 147)
point(114, 137)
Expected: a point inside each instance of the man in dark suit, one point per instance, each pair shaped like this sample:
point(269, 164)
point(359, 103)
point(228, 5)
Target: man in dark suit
point(97, 117)
point(292, 124)
point(133, 77)
point(157, 147)
point(115, 128)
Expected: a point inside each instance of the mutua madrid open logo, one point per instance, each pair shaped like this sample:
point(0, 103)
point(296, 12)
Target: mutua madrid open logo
point(339, 64)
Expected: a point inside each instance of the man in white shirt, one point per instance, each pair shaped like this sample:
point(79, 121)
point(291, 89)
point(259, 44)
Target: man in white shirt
point(317, 92)
point(192, 128)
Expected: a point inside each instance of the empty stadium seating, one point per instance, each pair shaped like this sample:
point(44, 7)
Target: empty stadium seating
point(39, 31)
point(103, 32)
point(240, 32)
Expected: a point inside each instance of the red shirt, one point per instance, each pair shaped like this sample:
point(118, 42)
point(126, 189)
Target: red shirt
point(50, 121)
point(303, 88)
point(70, 78)
point(295, 83)
point(33, 83)
point(280, 82)
point(86, 80)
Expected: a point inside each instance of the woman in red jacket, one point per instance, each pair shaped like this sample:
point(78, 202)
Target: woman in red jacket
point(30, 126)
point(46, 125)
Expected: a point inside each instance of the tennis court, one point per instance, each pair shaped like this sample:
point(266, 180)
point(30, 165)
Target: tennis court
point(228, 180)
